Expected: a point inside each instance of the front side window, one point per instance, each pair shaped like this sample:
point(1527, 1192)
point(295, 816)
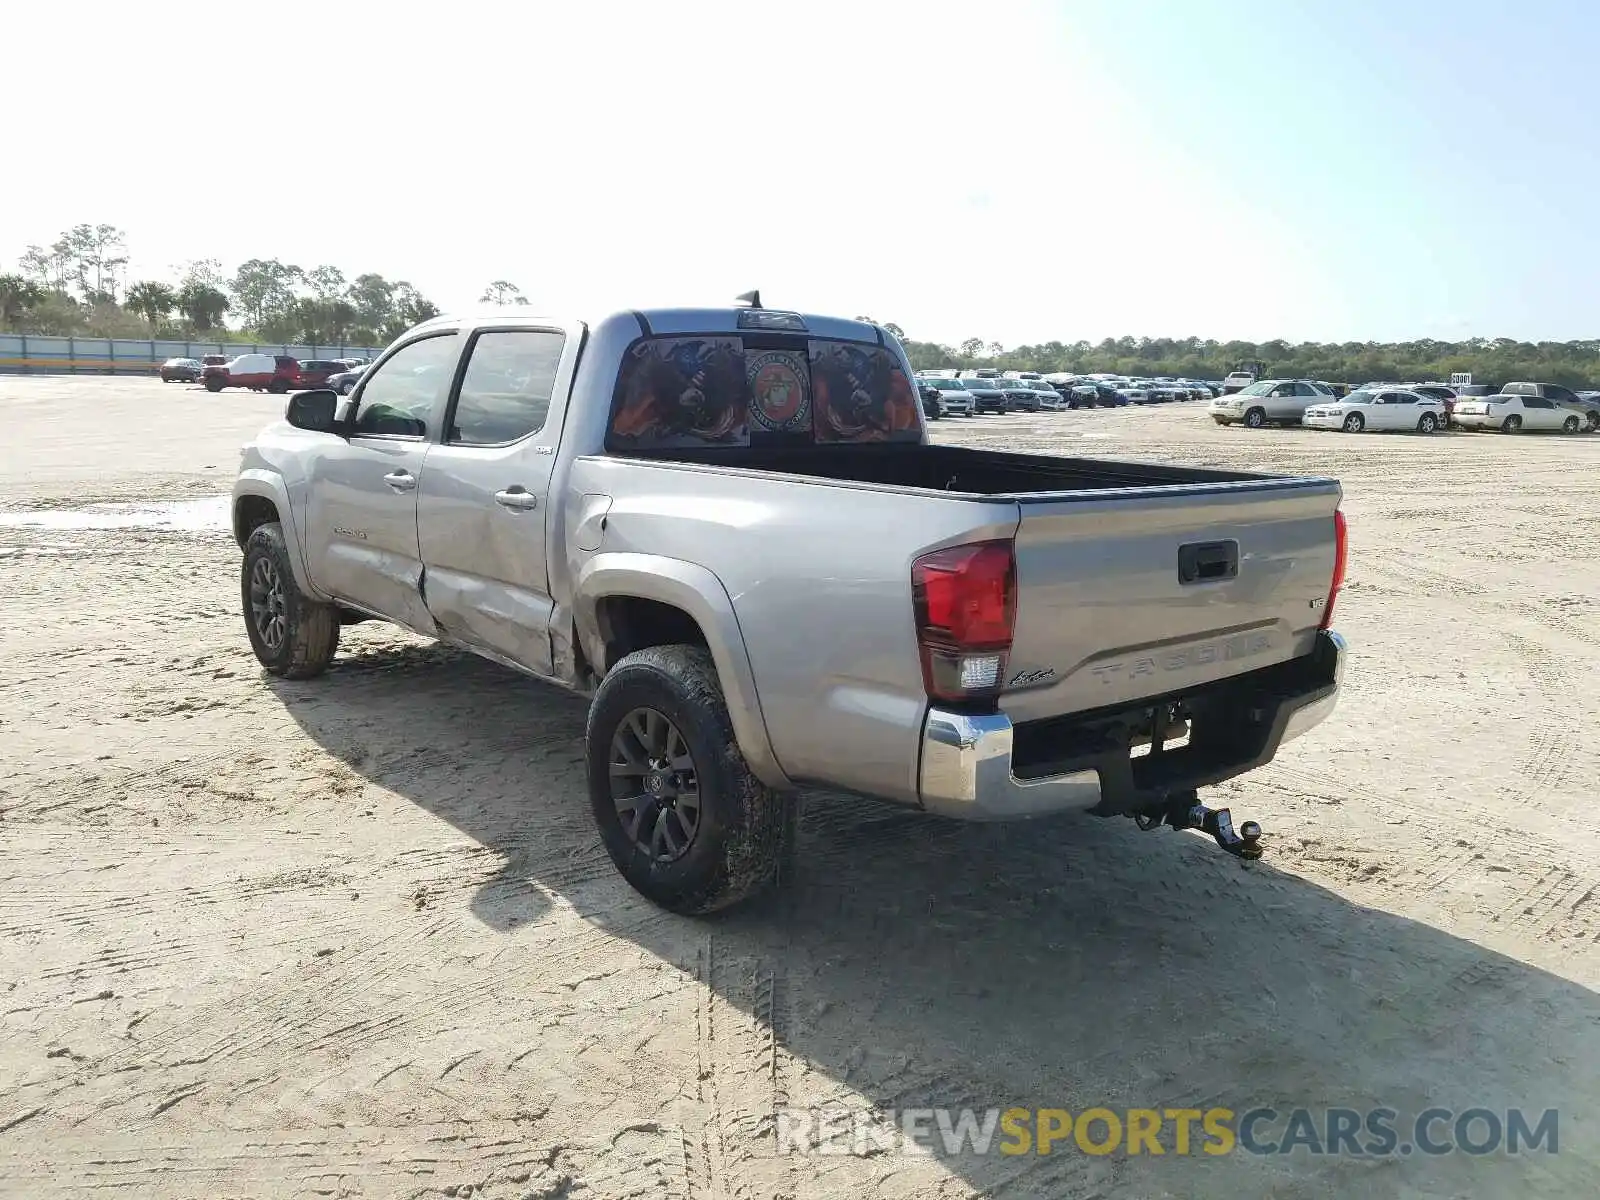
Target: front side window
point(398, 398)
point(505, 394)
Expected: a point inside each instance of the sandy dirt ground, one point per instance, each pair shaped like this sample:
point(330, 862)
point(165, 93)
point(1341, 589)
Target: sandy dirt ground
point(356, 936)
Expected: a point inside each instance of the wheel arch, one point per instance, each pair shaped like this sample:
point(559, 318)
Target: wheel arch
point(260, 497)
point(624, 602)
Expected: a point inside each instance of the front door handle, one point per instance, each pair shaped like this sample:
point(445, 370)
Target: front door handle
point(516, 497)
point(401, 481)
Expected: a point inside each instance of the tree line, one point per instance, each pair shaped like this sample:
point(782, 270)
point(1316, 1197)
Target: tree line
point(79, 285)
point(1489, 360)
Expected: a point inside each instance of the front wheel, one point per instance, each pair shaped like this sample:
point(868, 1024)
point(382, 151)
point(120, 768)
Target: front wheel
point(1255, 419)
point(682, 817)
point(1570, 425)
point(213, 384)
point(346, 388)
point(292, 635)
point(1428, 423)
point(1355, 423)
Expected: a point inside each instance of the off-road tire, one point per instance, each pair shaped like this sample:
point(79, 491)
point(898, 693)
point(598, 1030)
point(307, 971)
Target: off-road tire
point(311, 629)
point(744, 825)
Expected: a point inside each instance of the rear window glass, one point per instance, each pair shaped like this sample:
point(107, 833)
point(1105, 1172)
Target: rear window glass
point(710, 391)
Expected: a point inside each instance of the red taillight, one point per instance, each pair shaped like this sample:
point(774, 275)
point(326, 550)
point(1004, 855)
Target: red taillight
point(965, 601)
point(1341, 551)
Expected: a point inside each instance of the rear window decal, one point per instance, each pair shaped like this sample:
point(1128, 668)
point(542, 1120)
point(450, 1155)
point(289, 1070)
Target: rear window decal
point(780, 390)
point(860, 394)
point(682, 392)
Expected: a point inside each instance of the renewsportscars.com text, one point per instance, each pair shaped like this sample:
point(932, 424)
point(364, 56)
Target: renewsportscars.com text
point(1358, 1133)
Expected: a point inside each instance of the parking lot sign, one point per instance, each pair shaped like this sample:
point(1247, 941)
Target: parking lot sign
point(1461, 379)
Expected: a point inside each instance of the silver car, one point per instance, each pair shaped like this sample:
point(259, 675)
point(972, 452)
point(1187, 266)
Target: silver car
point(1270, 402)
point(954, 399)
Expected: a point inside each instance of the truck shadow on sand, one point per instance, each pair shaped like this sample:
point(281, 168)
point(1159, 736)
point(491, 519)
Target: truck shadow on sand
point(1070, 963)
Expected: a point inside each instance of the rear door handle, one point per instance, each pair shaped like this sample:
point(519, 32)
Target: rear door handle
point(516, 497)
point(401, 481)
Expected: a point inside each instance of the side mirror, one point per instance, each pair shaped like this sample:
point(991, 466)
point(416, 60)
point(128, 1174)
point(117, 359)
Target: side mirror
point(314, 411)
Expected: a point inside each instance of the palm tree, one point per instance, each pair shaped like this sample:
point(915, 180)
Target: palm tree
point(203, 305)
point(152, 301)
point(17, 295)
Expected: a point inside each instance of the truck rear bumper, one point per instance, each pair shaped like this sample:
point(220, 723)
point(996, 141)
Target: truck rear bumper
point(971, 767)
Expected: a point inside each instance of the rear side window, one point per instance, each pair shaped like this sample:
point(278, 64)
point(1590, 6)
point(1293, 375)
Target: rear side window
point(505, 394)
point(719, 391)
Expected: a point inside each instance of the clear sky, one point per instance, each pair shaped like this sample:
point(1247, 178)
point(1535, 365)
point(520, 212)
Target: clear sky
point(1011, 170)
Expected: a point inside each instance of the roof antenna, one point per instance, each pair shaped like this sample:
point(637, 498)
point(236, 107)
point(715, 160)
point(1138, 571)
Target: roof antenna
point(751, 299)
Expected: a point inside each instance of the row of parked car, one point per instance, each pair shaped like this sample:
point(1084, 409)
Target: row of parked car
point(972, 393)
point(1420, 407)
point(276, 373)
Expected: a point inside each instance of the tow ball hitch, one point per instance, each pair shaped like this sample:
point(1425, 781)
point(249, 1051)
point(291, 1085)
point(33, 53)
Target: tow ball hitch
point(1184, 811)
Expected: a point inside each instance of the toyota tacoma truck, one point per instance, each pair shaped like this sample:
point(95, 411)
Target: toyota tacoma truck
point(728, 527)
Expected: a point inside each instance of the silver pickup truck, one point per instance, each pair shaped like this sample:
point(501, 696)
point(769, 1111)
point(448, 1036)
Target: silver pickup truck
point(729, 528)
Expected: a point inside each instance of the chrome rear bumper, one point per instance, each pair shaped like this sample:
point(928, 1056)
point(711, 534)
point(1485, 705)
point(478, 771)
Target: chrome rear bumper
point(967, 763)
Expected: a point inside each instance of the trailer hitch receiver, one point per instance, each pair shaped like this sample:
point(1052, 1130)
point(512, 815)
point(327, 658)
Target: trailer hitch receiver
point(1184, 811)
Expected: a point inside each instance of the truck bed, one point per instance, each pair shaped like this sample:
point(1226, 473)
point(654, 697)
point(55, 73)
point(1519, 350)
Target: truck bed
point(960, 469)
point(1134, 581)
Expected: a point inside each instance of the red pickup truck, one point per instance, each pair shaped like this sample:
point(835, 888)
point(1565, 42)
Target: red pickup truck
point(258, 372)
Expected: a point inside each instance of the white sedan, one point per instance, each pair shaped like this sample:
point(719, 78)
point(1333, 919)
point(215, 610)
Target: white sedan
point(1378, 409)
point(1513, 414)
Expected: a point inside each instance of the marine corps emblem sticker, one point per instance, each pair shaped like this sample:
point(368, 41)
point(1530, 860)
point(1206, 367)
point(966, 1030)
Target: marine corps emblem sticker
point(780, 401)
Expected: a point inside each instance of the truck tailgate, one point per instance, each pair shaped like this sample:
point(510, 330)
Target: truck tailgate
point(1129, 594)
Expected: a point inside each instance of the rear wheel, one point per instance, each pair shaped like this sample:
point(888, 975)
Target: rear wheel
point(1355, 423)
point(277, 387)
point(1593, 417)
point(1255, 418)
point(1428, 423)
point(682, 817)
point(292, 635)
point(1512, 424)
point(213, 384)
